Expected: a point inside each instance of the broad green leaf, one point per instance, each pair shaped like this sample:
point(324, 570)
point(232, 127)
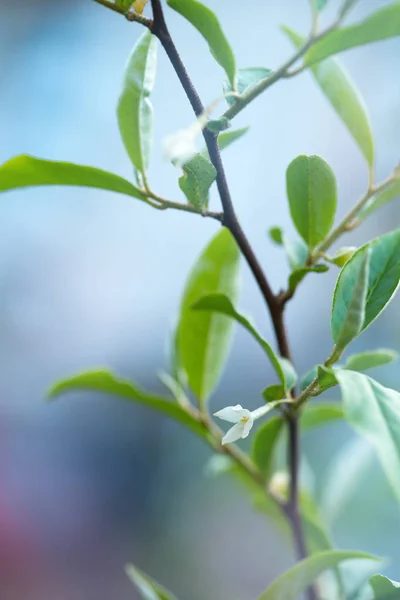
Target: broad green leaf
point(296, 250)
point(296, 580)
point(316, 414)
point(370, 359)
point(374, 411)
point(264, 443)
point(146, 586)
point(384, 588)
point(199, 175)
point(354, 317)
point(245, 80)
point(107, 383)
point(381, 25)
point(345, 98)
point(205, 21)
point(204, 338)
point(298, 275)
point(27, 171)
point(389, 193)
point(135, 112)
point(312, 194)
point(384, 277)
point(219, 303)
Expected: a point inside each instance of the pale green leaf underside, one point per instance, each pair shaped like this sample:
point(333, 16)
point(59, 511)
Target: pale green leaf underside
point(246, 79)
point(384, 588)
point(316, 414)
point(370, 359)
point(147, 587)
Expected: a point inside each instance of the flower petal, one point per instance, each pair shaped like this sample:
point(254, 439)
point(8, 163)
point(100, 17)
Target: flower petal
point(246, 428)
point(232, 414)
point(233, 434)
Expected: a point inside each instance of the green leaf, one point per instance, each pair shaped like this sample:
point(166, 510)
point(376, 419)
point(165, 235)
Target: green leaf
point(384, 588)
point(274, 392)
point(384, 277)
point(374, 411)
point(107, 383)
point(312, 194)
point(246, 79)
point(381, 25)
point(353, 319)
point(204, 338)
point(146, 586)
point(370, 359)
point(205, 21)
point(199, 175)
point(389, 193)
point(296, 250)
point(219, 303)
point(135, 112)
point(27, 171)
point(344, 97)
point(264, 444)
point(292, 583)
point(298, 275)
point(226, 138)
point(317, 414)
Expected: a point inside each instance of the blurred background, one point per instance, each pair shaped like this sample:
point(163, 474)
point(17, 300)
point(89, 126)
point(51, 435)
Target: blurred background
point(90, 279)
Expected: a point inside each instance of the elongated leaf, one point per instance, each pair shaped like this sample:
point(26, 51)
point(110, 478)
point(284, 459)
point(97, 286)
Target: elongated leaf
point(370, 359)
point(384, 277)
point(312, 194)
point(27, 171)
point(264, 443)
point(344, 97)
point(246, 79)
point(199, 175)
point(292, 583)
point(389, 193)
point(221, 304)
point(354, 317)
point(146, 586)
point(384, 588)
point(135, 112)
point(374, 411)
point(107, 383)
point(226, 138)
point(204, 338)
point(317, 414)
point(207, 24)
point(381, 25)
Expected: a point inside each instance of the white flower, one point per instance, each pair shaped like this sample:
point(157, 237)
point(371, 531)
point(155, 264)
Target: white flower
point(243, 419)
point(180, 147)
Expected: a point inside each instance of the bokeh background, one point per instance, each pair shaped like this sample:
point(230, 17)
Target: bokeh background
point(91, 279)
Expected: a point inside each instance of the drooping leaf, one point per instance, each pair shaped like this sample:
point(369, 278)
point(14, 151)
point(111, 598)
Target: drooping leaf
point(218, 303)
point(316, 414)
point(384, 588)
point(146, 586)
point(344, 97)
point(370, 359)
point(246, 79)
point(107, 383)
point(199, 175)
point(292, 583)
point(383, 24)
point(135, 111)
point(389, 193)
point(205, 21)
point(374, 412)
point(384, 277)
point(298, 275)
point(27, 171)
point(204, 338)
point(312, 194)
point(264, 443)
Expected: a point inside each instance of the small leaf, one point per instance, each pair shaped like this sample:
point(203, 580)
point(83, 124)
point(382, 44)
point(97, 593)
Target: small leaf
point(226, 138)
point(343, 255)
point(221, 304)
point(292, 583)
point(321, 413)
point(218, 125)
point(27, 171)
point(246, 79)
point(318, 5)
point(298, 275)
point(204, 338)
point(344, 97)
point(147, 587)
point(384, 588)
point(311, 190)
point(276, 235)
point(296, 250)
point(389, 193)
point(353, 319)
point(370, 359)
point(199, 175)
point(274, 392)
point(264, 444)
point(374, 411)
point(205, 21)
point(107, 383)
point(135, 112)
point(384, 277)
point(381, 25)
